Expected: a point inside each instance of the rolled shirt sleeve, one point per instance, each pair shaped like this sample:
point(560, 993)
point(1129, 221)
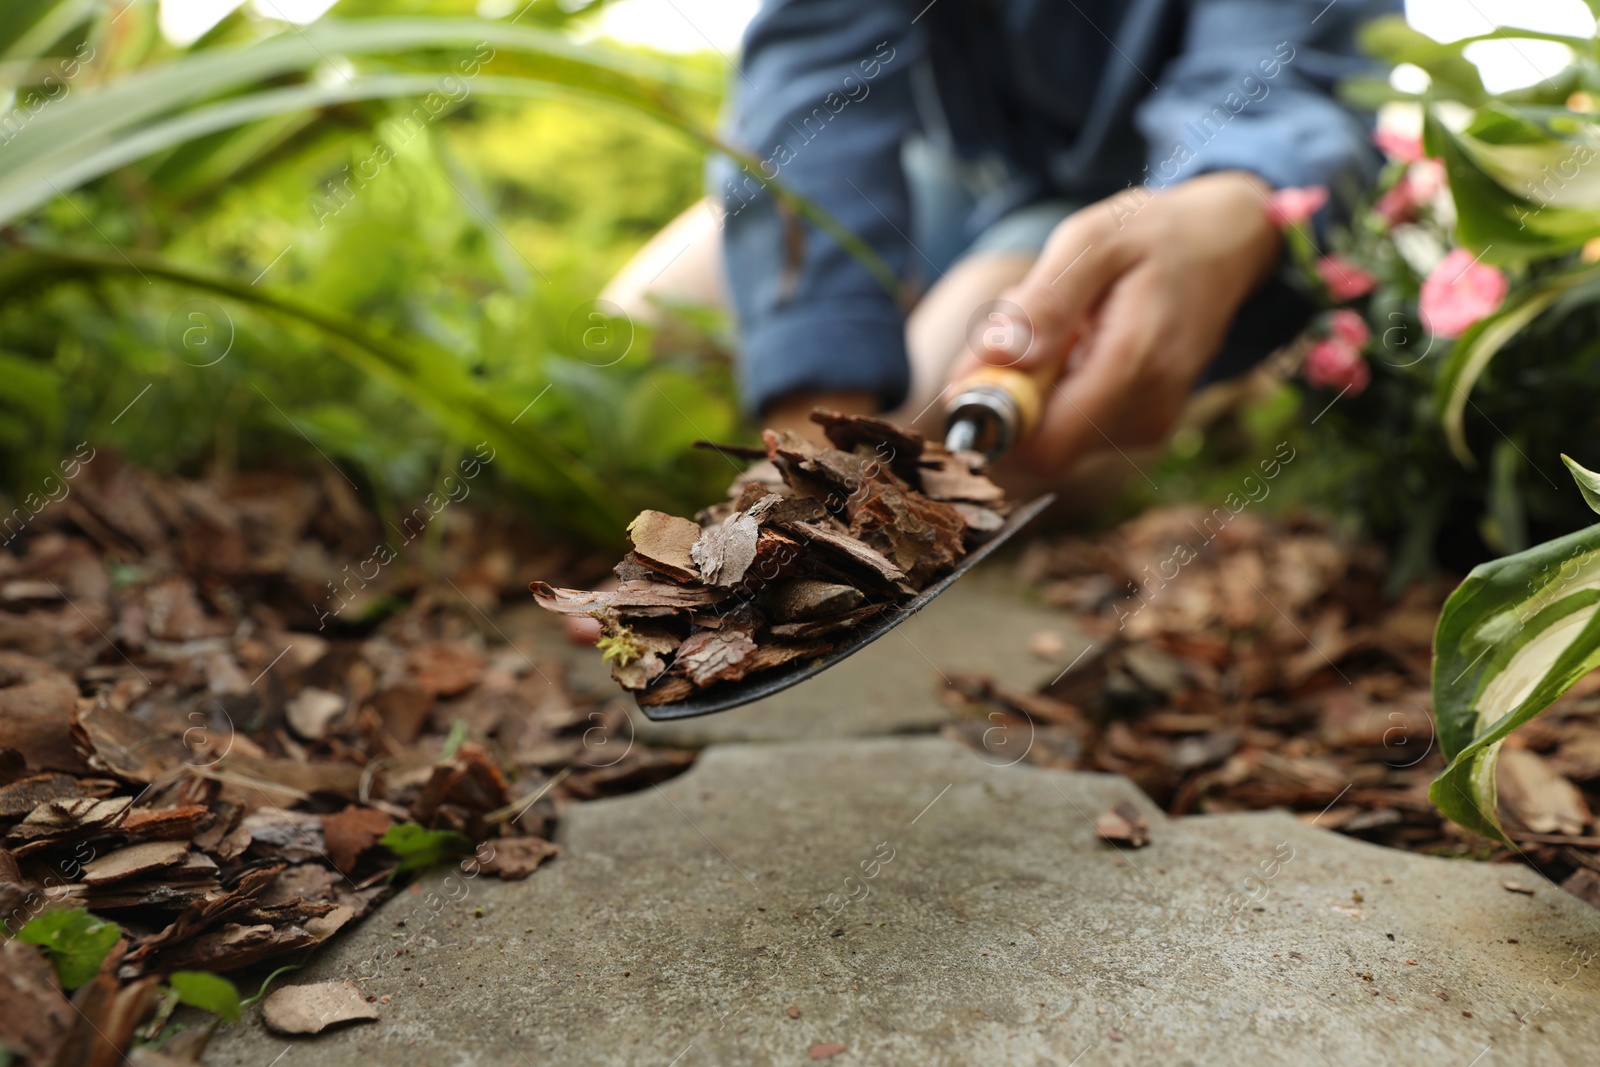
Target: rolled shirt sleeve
point(1252, 88)
point(824, 104)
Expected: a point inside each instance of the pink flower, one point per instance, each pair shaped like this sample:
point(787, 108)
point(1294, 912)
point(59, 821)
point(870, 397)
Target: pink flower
point(1396, 205)
point(1459, 292)
point(1287, 207)
point(1426, 177)
point(1345, 280)
point(1397, 145)
point(1349, 327)
point(1334, 363)
point(1417, 186)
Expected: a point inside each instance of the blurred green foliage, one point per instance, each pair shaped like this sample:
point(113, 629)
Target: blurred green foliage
point(461, 247)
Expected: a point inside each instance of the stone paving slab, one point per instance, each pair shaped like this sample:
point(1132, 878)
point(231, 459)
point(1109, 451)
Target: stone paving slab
point(904, 898)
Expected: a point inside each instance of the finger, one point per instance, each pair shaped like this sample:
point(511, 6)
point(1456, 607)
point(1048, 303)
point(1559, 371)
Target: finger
point(1084, 411)
point(1080, 261)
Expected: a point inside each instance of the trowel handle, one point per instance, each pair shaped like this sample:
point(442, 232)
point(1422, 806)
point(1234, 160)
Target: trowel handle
point(993, 408)
point(1025, 390)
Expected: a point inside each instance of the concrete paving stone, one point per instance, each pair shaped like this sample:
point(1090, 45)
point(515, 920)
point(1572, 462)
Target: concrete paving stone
point(904, 898)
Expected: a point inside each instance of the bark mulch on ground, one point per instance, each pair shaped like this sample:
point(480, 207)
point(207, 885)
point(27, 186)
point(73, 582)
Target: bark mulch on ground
point(1241, 663)
point(233, 717)
point(185, 754)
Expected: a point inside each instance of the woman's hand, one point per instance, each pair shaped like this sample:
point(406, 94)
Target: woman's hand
point(1132, 296)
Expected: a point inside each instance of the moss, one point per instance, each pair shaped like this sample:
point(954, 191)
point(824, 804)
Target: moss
point(620, 647)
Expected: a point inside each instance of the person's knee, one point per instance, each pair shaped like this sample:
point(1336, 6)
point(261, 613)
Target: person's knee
point(682, 264)
point(630, 295)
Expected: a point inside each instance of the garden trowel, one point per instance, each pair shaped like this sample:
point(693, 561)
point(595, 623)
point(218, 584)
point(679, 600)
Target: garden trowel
point(989, 413)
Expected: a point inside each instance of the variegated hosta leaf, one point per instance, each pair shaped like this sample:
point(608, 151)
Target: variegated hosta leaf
point(1515, 636)
point(1588, 481)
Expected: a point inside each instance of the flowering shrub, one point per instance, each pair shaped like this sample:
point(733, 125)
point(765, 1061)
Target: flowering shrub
point(1460, 353)
point(1466, 322)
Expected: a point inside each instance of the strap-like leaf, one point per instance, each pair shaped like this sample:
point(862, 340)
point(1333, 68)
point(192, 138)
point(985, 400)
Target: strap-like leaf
point(26, 31)
point(1470, 357)
point(86, 120)
point(22, 193)
point(84, 137)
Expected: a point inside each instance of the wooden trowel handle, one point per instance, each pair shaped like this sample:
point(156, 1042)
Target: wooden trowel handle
point(993, 408)
point(1026, 391)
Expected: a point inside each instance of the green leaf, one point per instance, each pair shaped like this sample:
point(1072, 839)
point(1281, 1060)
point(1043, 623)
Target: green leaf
point(1588, 481)
point(82, 124)
point(1511, 639)
point(1371, 92)
point(87, 135)
point(32, 390)
point(433, 378)
point(1514, 198)
point(1454, 76)
point(208, 992)
point(665, 413)
point(31, 188)
point(1581, 45)
point(76, 942)
point(1522, 155)
point(29, 28)
point(416, 846)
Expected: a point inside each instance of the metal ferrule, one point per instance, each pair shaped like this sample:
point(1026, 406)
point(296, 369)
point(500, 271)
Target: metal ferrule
point(982, 418)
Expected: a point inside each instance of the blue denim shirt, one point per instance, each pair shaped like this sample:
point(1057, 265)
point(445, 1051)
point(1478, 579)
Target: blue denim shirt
point(1074, 99)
